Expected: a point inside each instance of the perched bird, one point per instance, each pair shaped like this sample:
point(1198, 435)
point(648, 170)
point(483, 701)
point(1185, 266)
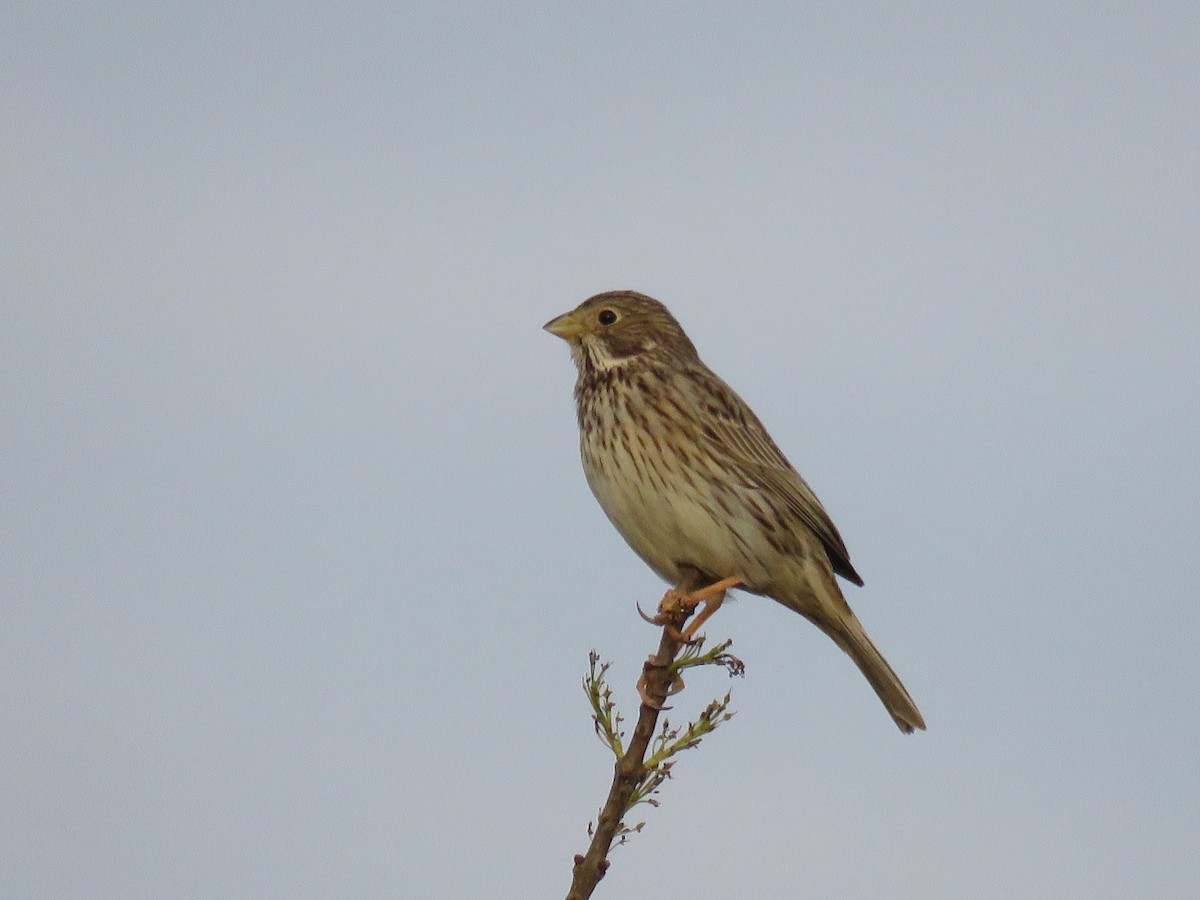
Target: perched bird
point(693, 482)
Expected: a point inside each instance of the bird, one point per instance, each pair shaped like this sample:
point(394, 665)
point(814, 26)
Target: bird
point(690, 478)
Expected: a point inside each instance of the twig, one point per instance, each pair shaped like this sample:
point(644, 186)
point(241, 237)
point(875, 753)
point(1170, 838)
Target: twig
point(635, 778)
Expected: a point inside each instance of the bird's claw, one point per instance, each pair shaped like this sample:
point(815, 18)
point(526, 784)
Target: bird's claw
point(648, 701)
point(684, 636)
point(653, 620)
point(675, 633)
point(672, 603)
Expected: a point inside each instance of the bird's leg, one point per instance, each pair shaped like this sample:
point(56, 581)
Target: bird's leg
point(676, 598)
point(676, 604)
point(646, 699)
point(717, 590)
point(672, 602)
point(712, 597)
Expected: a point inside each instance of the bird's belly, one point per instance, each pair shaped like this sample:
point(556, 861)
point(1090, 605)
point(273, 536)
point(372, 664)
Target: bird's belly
point(673, 520)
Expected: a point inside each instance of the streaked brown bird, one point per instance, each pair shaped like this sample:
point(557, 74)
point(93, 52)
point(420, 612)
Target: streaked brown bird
point(693, 482)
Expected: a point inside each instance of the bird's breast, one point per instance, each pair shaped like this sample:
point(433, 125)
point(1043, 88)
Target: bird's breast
point(659, 489)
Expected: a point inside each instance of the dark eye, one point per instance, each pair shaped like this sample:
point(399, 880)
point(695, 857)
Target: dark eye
point(607, 317)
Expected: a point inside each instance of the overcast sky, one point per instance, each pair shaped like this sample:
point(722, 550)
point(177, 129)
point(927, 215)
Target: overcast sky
point(298, 568)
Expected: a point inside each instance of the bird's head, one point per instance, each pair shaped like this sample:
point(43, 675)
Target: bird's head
point(619, 327)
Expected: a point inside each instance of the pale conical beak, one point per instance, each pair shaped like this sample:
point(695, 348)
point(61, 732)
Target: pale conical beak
point(567, 326)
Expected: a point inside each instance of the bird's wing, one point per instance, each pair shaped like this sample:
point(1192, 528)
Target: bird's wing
point(738, 440)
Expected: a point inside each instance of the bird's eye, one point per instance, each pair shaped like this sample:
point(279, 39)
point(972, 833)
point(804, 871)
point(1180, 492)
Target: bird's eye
point(607, 317)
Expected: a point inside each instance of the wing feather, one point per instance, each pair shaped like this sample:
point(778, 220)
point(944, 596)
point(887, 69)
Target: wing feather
point(736, 438)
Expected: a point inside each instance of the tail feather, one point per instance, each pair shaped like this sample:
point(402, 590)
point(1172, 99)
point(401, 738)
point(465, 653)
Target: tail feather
point(848, 633)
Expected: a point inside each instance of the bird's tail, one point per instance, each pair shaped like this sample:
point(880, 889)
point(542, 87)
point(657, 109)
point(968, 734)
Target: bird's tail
point(848, 633)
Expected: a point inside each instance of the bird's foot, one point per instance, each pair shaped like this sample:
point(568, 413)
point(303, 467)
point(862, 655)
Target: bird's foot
point(647, 701)
point(677, 685)
point(675, 601)
point(675, 605)
point(653, 620)
point(668, 611)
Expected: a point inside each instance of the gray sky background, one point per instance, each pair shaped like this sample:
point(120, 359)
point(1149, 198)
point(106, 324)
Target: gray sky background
point(298, 568)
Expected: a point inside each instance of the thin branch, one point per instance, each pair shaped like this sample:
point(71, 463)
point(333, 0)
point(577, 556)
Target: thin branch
point(634, 777)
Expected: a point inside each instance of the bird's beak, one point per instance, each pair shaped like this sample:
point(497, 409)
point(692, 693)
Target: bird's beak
point(567, 326)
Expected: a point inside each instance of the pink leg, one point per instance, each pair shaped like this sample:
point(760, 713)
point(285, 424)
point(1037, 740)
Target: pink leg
point(711, 597)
